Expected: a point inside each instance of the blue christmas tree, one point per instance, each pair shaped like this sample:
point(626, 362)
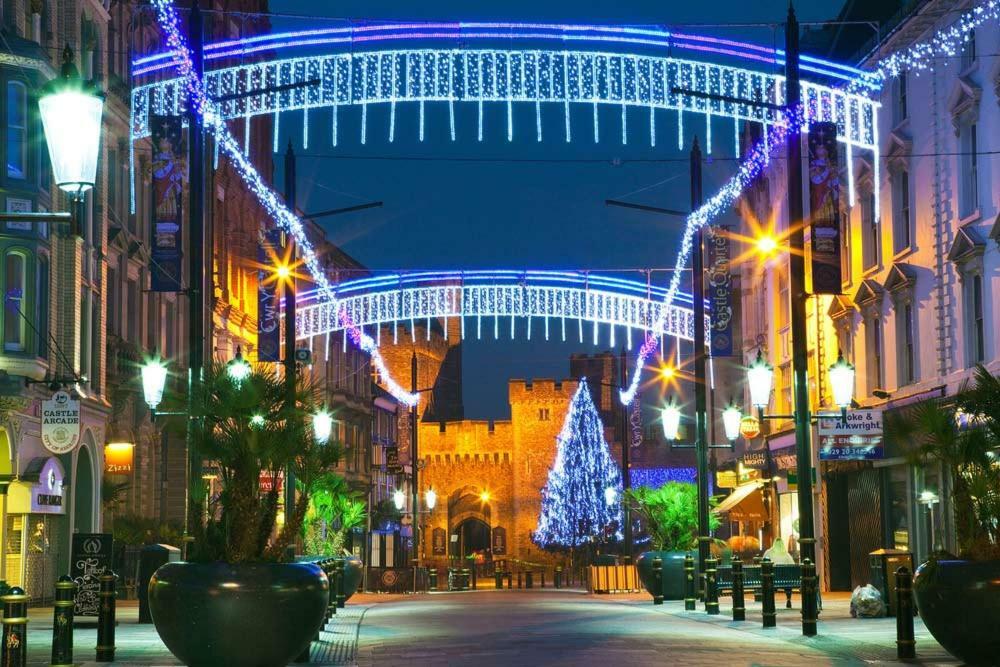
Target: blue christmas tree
point(582, 481)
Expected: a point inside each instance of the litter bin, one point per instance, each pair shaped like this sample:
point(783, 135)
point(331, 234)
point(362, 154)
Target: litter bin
point(151, 557)
point(883, 564)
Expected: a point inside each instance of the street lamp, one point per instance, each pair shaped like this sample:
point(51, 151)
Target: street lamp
point(257, 420)
point(399, 499)
point(760, 377)
point(731, 418)
point(154, 378)
point(670, 415)
point(238, 368)
point(929, 499)
point(484, 496)
point(842, 382)
point(71, 111)
point(430, 498)
point(322, 426)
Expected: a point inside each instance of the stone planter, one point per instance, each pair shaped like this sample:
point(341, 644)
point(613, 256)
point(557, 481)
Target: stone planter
point(254, 615)
point(673, 572)
point(959, 602)
point(353, 573)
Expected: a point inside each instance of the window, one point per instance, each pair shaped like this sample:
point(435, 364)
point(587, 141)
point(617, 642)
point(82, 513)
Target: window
point(133, 311)
point(874, 342)
point(900, 111)
point(17, 130)
point(969, 52)
point(901, 210)
point(112, 176)
point(93, 369)
point(976, 320)
point(114, 316)
point(170, 331)
point(42, 307)
point(870, 231)
point(152, 311)
point(845, 249)
point(905, 344)
point(86, 331)
point(543, 414)
point(969, 169)
point(13, 319)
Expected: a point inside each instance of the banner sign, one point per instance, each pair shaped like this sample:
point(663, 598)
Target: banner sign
point(824, 206)
point(500, 541)
point(169, 174)
point(271, 482)
point(720, 291)
point(392, 464)
point(268, 299)
point(756, 458)
point(91, 557)
point(60, 423)
point(859, 438)
point(439, 542)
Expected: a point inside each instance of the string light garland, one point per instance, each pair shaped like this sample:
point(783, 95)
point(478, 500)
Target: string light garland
point(575, 500)
point(288, 221)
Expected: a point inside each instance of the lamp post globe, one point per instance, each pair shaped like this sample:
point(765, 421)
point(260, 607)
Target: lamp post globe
point(154, 379)
point(610, 496)
point(842, 382)
point(670, 415)
point(322, 423)
point(760, 377)
point(430, 498)
point(731, 418)
point(399, 499)
point(238, 368)
point(71, 111)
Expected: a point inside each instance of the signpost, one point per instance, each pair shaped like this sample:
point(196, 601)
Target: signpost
point(858, 438)
point(60, 423)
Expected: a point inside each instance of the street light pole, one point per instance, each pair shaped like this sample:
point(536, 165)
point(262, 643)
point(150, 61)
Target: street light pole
point(415, 466)
point(196, 261)
point(626, 435)
point(700, 383)
point(796, 273)
point(289, 288)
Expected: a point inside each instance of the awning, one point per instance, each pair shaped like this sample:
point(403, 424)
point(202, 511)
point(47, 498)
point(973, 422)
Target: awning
point(746, 503)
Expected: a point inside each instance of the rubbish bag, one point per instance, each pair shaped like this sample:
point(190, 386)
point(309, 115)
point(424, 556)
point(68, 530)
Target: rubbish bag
point(866, 602)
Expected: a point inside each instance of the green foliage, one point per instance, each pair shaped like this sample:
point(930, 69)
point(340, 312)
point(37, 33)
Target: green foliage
point(334, 511)
point(931, 433)
point(670, 514)
point(241, 523)
point(385, 512)
point(113, 493)
point(134, 530)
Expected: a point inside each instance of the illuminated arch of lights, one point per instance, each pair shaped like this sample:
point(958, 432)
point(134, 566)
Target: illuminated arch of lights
point(554, 304)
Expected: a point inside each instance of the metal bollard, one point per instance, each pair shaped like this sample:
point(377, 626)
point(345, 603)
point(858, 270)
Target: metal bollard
point(558, 577)
point(62, 623)
point(542, 575)
point(712, 585)
point(475, 579)
point(767, 593)
point(739, 604)
point(519, 583)
point(338, 575)
point(906, 646)
point(808, 589)
point(529, 579)
point(106, 619)
point(657, 581)
point(510, 580)
point(689, 592)
point(432, 578)
point(498, 579)
point(15, 629)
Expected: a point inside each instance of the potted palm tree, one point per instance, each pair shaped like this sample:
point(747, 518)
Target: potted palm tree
point(334, 511)
point(670, 516)
point(239, 580)
point(959, 596)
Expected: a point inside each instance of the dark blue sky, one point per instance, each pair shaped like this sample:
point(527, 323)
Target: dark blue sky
point(522, 204)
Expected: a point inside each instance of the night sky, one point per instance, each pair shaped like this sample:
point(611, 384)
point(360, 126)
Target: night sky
point(516, 205)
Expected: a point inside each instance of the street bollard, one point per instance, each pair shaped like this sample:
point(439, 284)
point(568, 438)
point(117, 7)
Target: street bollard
point(767, 593)
point(689, 593)
point(510, 580)
point(338, 575)
point(529, 579)
point(498, 579)
point(808, 589)
point(739, 604)
point(15, 629)
point(519, 583)
point(558, 577)
point(62, 623)
point(432, 578)
point(906, 646)
point(475, 579)
point(106, 619)
point(657, 581)
point(712, 585)
point(542, 575)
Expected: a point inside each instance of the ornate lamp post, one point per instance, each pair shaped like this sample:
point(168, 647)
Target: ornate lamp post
point(670, 415)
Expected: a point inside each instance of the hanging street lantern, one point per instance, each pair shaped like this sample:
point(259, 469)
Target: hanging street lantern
point(760, 377)
point(430, 498)
point(154, 378)
point(731, 418)
point(322, 426)
point(670, 415)
point(399, 499)
point(842, 382)
point(238, 368)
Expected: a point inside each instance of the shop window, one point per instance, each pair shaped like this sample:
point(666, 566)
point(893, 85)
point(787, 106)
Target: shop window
point(975, 319)
point(17, 130)
point(905, 344)
point(13, 317)
point(873, 332)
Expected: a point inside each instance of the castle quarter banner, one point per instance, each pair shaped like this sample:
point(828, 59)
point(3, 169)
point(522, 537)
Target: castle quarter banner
point(720, 291)
point(169, 174)
point(268, 300)
point(824, 205)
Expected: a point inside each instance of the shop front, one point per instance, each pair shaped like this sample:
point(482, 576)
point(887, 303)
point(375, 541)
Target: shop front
point(35, 520)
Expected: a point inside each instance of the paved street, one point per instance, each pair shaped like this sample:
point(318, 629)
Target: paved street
point(543, 627)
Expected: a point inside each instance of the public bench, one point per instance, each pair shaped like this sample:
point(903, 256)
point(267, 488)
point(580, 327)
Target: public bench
point(786, 577)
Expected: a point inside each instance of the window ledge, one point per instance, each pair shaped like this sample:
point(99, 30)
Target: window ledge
point(905, 252)
point(975, 216)
point(871, 270)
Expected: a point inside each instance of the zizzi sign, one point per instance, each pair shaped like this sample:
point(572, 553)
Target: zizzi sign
point(60, 423)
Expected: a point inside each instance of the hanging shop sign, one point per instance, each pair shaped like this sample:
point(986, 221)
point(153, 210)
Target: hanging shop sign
point(169, 175)
point(118, 457)
point(392, 464)
point(268, 299)
point(60, 423)
point(91, 558)
point(824, 206)
point(499, 541)
point(756, 459)
point(749, 427)
point(720, 291)
point(272, 482)
point(726, 479)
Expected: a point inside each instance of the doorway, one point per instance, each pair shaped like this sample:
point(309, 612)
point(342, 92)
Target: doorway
point(474, 540)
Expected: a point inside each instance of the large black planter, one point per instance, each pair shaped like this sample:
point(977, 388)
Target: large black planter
point(673, 572)
point(353, 572)
point(959, 602)
point(260, 615)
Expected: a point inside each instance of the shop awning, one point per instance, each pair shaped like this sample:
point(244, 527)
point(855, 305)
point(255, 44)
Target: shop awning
point(745, 503)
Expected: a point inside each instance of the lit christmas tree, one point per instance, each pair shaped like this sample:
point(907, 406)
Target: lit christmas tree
point(582, 497)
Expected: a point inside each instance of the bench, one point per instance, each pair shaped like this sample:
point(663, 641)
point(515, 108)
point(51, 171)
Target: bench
point(786, 577)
